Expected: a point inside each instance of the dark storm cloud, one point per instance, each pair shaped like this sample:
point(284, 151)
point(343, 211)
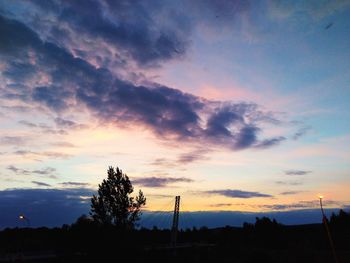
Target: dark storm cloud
point(159, 181)
point(170, 113)
point(236, 193)
point(49, 207)
point(297, 172)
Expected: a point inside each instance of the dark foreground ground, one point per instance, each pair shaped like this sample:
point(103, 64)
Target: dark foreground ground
point(264, 241)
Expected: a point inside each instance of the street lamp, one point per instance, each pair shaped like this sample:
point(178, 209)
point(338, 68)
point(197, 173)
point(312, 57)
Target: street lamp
point(23, 217)
point(325, 222)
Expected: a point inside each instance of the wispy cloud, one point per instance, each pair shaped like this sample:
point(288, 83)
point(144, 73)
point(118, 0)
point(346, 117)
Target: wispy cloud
point(301, 205)
point(13, 140)
point(69, 124)
point(267, 143)
point(47, 172)
point(221, 205)
point(289, 182)
point(18, 170)
point(160, 196)
point(290, 192)
point(160, 181)
point(74, 184)
point(28, 124)
point(46, 154)
point(64, 144)
point(193, 156)
point(236, 193)
point(41, 183)
point(163, 162)
point(301, 132)
point(297, 172)
point(44, 128)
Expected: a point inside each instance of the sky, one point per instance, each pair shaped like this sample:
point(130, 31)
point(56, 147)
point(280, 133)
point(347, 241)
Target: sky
point(236, 106)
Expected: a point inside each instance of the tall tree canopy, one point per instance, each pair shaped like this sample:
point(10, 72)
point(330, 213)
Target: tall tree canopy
point(113, 204)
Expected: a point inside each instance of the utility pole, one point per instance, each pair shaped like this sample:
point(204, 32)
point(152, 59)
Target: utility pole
point(175, 221)
point(325, 222)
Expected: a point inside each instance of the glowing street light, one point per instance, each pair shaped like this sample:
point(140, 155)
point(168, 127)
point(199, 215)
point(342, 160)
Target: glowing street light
point(23, 217)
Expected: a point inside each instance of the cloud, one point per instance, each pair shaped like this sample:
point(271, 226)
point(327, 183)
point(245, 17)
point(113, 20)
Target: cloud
point(302, 205)
point(314, 10)
point(163, 162)
point(214, 219)
point(44, 207)
point(28, 124)
point(64, 144)
point(43, 127)
point(193, 156)
point(290, 192)
point(54, 207)
point(221, 205)
point(12, 140)
point(236, 193)
point(289, 182)
point(300, 133)
point(159, 181)
point(169, 113)
point(18, 170)
point(75, 184)
point(46, 154)
point(160, 196)
point(47, 172)
point(41, 183)
point(270, 142)
point(69, 124)
point(159, 33)
point(297, 172)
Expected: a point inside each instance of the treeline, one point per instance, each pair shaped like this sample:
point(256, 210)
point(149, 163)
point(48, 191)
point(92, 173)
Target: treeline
point(265, 239)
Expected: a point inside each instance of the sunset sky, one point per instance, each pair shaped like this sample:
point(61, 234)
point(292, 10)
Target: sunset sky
point(234, 105)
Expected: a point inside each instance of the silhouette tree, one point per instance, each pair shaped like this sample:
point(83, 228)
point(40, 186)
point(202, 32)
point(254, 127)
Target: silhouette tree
point(113, 204)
